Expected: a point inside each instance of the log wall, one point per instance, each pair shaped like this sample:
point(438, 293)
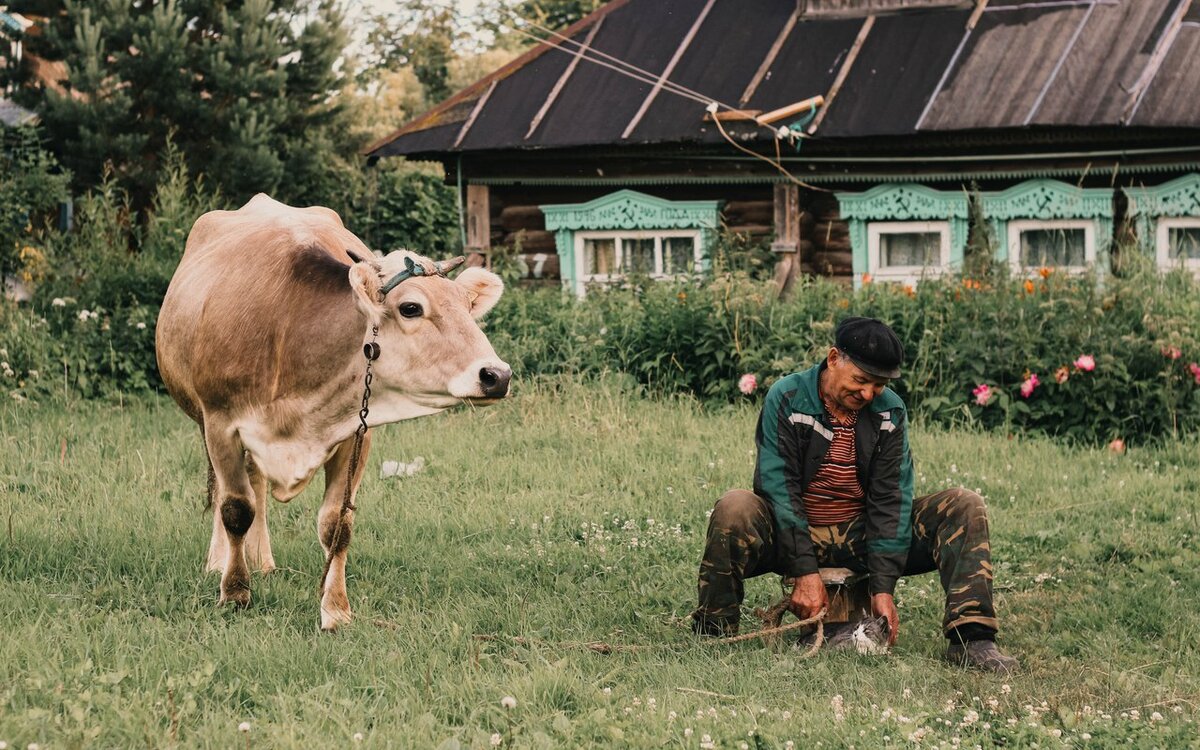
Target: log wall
point(747, 209)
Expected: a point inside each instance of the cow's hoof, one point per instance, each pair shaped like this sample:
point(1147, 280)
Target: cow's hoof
point(238, 597)
point(332, 619)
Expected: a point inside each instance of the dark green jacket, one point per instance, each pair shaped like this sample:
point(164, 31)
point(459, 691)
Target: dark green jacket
point(793, 437)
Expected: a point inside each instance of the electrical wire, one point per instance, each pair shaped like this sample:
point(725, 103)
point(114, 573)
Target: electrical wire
point(644, 76)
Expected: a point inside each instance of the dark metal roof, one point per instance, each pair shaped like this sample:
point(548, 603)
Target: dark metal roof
point(1024, 64)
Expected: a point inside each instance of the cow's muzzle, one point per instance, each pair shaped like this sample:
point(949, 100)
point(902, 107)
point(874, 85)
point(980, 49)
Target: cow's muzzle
point(493, 381)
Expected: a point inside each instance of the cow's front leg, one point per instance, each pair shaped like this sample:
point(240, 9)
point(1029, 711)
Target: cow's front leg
point(234, 509)
point(335, 606)
point(258, 539)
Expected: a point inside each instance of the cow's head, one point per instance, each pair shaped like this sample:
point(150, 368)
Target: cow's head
point(432, 350)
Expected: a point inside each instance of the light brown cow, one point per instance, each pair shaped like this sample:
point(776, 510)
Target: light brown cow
point(260, 340)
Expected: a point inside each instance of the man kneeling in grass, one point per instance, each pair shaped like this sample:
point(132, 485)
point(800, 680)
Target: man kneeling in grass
point(833, 487)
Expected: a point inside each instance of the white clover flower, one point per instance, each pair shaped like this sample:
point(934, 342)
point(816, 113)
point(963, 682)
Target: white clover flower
point(508, 701)
point(607, 691)
point(1005, 689)
point(3, 745)
point(906, 694)
point(141, 326)
point(671, 716)
point(687, 731)
point(33, 746)
point(789, 745)
point(743, 746)
point(244, 726)
point(496, 739)
point(58, 302)
point(706, 743)
point(84, 314)
point(358, 736)
point(1156, 716)
point(1085, 736)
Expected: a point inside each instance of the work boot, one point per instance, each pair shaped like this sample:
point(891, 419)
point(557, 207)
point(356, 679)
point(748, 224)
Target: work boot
point(713, 627)
point(981, 655)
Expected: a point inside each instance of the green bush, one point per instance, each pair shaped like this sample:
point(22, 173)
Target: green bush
point(405, 207)
point(1142, 333)
point(90, 328)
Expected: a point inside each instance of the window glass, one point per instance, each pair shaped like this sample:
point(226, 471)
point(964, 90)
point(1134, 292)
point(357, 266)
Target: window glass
point(639, 255)
point(1053, 247)
point(600, 256)
point(679, 255)
point(1183, 243)
point(910, 249)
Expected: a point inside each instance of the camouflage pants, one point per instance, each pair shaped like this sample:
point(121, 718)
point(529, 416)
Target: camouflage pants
point(950, 535)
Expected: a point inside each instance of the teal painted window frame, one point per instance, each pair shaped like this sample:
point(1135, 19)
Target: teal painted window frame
point(626, 210)
point(892, 204)
point(1052, 203)
point(1156, 209)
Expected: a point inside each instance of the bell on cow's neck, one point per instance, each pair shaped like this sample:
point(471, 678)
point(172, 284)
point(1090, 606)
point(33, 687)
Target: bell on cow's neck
point(371, 351)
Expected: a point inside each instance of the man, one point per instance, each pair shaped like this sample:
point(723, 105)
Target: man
point(833, 487)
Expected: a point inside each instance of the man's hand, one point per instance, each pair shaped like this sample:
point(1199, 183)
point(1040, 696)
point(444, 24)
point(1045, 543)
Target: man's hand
point(808, 596)
point(883, 605)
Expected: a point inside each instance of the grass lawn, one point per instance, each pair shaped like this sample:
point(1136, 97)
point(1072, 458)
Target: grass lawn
point(569, 514)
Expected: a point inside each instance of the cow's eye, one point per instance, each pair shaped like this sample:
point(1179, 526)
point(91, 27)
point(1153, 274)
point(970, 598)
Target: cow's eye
point(410, 309)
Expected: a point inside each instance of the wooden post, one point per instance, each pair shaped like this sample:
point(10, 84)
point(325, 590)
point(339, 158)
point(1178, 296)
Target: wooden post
point(479, 226)
point(787, 237)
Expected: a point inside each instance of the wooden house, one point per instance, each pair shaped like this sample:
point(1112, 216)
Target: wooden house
point(854, 135)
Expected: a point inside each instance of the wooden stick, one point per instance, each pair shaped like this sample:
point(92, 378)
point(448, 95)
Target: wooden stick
point(844, 72)
point(790, 110)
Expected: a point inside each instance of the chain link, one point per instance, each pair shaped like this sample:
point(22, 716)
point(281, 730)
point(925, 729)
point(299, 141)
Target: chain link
point(371, 352)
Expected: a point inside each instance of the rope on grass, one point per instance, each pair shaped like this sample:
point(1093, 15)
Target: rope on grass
point(771, 631)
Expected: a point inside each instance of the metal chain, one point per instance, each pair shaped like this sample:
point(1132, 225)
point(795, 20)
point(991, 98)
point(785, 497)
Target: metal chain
point(371, 352)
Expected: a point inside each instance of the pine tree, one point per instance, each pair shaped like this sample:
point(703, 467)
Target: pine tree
point(246, 89)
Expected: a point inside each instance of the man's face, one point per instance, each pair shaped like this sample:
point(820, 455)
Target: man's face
point(847, 385)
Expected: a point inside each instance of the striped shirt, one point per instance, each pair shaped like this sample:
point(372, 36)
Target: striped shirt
point(834, 495)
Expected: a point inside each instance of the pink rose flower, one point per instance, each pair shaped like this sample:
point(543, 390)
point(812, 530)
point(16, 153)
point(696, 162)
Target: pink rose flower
point(1117, 446)
point(1172, 352)
point(1030, 383)
point(747, 383)
point(1195, 370)
point(982, 394)
point(1086, 362)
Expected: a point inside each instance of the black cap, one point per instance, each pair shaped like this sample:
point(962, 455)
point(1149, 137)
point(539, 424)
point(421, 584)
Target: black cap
point(871, 345)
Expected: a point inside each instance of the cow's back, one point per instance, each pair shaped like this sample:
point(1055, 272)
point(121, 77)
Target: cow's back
point(259, 306)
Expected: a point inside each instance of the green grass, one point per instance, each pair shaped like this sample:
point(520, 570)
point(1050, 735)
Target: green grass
point(524, 524)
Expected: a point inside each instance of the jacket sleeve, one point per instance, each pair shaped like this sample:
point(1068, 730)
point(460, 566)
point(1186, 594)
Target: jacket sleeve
point(778, 480)
point(889, 505)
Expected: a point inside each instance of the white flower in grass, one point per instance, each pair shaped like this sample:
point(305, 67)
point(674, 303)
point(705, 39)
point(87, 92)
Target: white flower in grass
point(1156, 716)
point(495, 740)
point(607, 691)
point(687, 731)
point(706, 742)
point(58, 302)
point(508, 701)
point(1005, 689)
point(358, 736)
point(789, 745)
point(244, 726)
point(141, 326)
point(84, 315)
point(3, 745)
point(33, 746)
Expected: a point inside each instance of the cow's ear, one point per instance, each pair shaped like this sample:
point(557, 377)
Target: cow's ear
point(364, 280)
point(484, 289)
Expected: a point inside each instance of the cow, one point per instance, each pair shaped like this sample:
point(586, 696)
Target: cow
point(261, 340)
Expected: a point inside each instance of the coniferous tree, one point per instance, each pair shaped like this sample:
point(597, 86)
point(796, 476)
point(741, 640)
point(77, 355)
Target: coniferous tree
point(246, 89)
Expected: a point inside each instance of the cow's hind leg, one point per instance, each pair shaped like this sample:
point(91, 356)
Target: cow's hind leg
point(218, 545)
point(258, 539)
point(335, 606)
point(234, 508)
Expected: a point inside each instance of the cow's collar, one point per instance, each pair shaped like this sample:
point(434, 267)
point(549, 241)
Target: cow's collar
point(411, 269)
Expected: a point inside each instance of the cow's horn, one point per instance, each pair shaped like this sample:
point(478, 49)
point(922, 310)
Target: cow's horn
point(446, 266)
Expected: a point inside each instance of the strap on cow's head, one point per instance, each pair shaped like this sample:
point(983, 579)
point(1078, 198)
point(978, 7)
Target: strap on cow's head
point(412, 269)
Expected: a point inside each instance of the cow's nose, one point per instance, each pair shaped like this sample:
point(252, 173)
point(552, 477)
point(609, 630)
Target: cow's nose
point(494, 381)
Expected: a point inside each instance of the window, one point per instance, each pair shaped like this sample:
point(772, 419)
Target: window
point(907, 250)
point(610, 256)
point(1067, 245)
point(1178, 243)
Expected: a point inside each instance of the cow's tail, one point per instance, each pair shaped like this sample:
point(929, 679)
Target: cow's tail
point(212, 475)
